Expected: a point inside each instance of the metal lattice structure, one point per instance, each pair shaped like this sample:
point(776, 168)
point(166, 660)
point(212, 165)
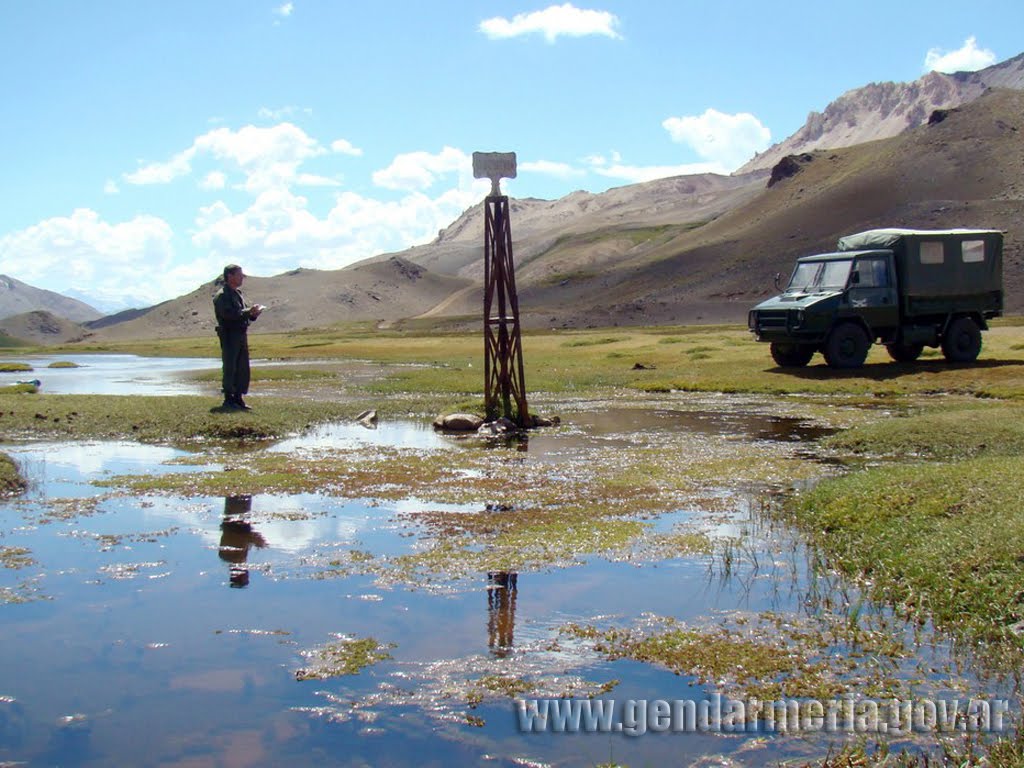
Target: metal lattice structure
point(504, 382)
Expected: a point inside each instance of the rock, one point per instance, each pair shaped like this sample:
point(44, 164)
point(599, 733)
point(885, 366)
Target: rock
point(789, 166)
point(543, 421)
point(367, 418)
point(458, 422)
point(501, 426)
point(642, 367)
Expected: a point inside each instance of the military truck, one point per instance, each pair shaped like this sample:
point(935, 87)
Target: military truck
point(907, 289)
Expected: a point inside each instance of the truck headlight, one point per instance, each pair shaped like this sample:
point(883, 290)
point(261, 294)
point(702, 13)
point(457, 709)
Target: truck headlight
point(798, 318)
point(752, 319)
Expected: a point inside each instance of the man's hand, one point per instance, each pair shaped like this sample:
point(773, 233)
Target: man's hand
point(255, 310)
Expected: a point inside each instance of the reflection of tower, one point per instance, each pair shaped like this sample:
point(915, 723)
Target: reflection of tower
point(501, 611)
point(236, 537)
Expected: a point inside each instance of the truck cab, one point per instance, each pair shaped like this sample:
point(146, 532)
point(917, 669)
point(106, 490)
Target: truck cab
point(906, 289)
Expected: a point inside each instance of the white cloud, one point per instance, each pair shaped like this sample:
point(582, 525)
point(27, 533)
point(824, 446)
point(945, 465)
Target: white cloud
point(279, 232)
point(285, 10)
point(281, 113)
point(81, 251)
point(724, 141)
point(418, 171)
point(552, 22)
point(635, 174)
point(267, 156)
point(549, 168)
point(111, 188)
point(968, 58)
point(214, 180)
point(345, 147)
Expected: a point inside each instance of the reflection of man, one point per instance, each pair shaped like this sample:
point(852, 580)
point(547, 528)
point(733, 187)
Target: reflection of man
point(236, 537)
point(233, 318)
point(501, 611)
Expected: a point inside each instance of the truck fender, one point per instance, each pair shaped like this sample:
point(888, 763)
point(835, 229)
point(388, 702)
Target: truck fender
point(856, 321)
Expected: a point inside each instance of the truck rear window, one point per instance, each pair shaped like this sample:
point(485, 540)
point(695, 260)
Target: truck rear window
point(932, 253)
point(973, 251)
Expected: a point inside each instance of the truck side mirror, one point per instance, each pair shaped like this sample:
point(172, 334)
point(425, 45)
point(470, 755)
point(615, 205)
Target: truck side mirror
point(778, 281)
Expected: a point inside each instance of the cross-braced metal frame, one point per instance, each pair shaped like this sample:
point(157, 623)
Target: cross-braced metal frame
point(504, 382)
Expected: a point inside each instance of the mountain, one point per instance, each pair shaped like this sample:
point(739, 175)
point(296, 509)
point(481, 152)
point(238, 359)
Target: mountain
point(41, 327)
point(17, 297)
point(883, 110)
point(384, 290)
point(681, 250)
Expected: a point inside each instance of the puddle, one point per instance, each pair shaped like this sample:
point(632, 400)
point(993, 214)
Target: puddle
point(103, 374)
point(194, 620)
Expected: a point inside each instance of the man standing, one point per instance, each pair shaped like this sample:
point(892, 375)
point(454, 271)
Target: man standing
point(233, 318)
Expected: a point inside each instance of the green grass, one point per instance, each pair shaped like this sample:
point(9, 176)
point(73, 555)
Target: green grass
point(8, 367)
point(940, 541)
point(11, 481)
point(347, 656)
point(62, 364)
point(176, 420)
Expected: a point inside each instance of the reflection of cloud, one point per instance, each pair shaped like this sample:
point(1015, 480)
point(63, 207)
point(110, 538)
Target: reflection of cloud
point(288, 524)
point(95, 459)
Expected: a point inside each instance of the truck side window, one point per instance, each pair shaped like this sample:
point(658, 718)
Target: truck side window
point(932, 252)
point(872, 273)
point(972, 251)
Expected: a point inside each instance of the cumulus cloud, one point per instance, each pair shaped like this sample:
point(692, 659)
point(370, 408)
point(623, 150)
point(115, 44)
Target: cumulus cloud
point(266, 156)
point(550, 168)
point(86, 253)
point(725, 142)
point(345, 147)
point(635, 174)
point(214, 180)
point(282, 113)
point(110, 187)
point(421, 170)
point(278, 231)
point(553, 22)
point(967, 58)
point(285, 10)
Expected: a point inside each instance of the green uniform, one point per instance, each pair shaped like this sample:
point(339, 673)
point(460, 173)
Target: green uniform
point(233, 318)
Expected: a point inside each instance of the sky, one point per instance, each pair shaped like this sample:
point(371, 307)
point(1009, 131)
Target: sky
point(146, 144)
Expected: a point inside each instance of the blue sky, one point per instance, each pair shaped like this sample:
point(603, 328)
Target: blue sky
point(145, 144)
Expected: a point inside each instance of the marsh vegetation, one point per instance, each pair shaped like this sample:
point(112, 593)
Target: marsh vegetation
point(706, 516)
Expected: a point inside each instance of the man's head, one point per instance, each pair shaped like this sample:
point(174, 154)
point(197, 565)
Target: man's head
point(233, 276)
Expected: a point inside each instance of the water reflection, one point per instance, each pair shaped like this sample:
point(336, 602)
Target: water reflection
point(237, 537)
point(502, 588)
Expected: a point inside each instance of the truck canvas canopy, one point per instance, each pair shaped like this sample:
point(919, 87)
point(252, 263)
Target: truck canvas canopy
point(934, 263)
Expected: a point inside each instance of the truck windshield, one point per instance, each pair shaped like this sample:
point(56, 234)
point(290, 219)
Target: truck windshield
point(820, 276)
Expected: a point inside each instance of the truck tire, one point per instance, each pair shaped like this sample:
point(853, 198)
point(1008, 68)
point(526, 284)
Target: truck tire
point(904, 353)
point(791, 355)
point(962, 341)
point(846, 346)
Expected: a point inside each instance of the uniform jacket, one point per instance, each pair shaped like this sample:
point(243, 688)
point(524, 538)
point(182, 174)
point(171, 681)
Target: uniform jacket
point(233, 314)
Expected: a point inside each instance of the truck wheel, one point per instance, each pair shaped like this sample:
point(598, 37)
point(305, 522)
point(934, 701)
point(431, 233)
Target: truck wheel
point(962, 341)
point(846, 346)
point(905, 353)
point(791, 355)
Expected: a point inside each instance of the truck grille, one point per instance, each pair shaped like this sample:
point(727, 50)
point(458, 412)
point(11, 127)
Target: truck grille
point(772, 319)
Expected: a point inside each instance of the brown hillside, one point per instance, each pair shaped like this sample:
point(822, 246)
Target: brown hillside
point(967, 170)
point(40, 327)
point(385, 290)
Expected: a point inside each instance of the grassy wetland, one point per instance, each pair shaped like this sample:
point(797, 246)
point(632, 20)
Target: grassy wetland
point(700, 522)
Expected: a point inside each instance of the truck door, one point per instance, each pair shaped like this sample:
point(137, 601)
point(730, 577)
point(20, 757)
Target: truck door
point(872, 293)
